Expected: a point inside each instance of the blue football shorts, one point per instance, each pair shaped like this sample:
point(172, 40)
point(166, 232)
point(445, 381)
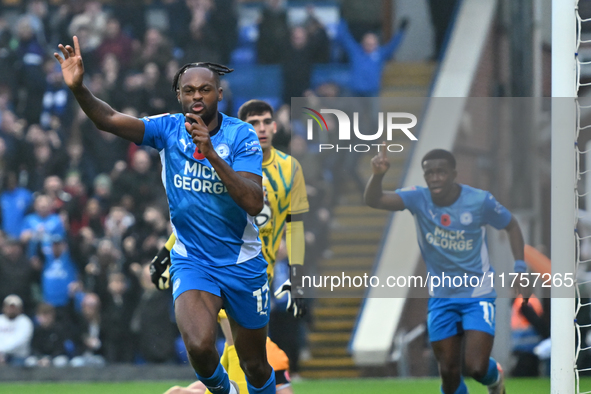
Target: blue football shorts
point(451, 316)
point(243, 287)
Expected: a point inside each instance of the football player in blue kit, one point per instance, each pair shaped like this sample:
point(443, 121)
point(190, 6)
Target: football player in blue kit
point(451, 220)
point(212, 172)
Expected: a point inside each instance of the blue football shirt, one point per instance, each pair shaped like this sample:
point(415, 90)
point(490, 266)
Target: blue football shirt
point(452, 239)
point(209, 226)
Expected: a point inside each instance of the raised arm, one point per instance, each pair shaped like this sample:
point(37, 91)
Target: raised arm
point(374, 196)
point(347, 40)
point(390, 47)
point(245, 188)
point(102, 114)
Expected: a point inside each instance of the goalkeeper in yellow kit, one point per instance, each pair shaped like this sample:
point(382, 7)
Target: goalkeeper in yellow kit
point(285, 203)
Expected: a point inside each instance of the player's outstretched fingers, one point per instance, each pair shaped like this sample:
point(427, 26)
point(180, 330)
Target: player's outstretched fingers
point(382, 152)
point(76, 46)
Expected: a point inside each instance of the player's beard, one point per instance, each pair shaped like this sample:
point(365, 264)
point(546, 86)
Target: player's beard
point(209, 113)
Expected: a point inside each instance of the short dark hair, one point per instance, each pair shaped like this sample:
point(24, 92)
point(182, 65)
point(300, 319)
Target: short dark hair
point(440, 154)
point(216, 69)
point(254, 107)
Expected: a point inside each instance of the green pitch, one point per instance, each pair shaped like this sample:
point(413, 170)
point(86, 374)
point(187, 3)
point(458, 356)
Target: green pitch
point(345, 386)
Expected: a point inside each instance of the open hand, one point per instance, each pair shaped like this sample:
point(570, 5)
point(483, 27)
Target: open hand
point(72, 66)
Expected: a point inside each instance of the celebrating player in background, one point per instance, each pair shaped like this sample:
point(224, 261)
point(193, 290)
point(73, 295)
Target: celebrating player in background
point(456, 213)
point(213, 175)
point(285, 203)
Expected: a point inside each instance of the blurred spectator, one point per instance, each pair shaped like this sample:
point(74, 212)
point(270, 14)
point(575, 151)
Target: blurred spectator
point(79, 162)
point(75, 206)
point(118, 306)
point(117, 42)
point(176, 16)
point(105, 149)
point(39, 227)
point(528, 329)
point(102, 191)
point(156, 91)
point(17, 331)
point(224, 20)
point(90, 348)
point(131, 14)
point(367, 59)
point(149, 233)
point(297, 65)
point(117, 222)
point(204, 41)
point(7, 58)
point(93, 217)
point(15, 201)
point(56, 96)
point(140, 182)
point(93, 20)
point(273, 33)
point(29, 71)
point(318, 41)
point(12, 132)
point(37, 12)
point(58, 272)
point(155, 49)
point(17, 275)
point(54, 188)
point(83, 247)
point(107, 258)
point(152, 325)
point(49, 339)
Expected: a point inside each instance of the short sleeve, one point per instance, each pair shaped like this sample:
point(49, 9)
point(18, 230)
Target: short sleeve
point(153, 132)
point(248, 155)
point(410, 196)
point(494, 213)
point(299, 197)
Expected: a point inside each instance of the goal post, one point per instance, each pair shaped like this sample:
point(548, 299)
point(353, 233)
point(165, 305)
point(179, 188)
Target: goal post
point(563, 195)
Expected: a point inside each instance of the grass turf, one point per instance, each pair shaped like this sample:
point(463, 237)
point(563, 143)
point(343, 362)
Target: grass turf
point(344, 386)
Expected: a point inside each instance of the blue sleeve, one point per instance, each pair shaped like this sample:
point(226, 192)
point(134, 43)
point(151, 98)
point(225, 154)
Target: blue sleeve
point(248, 155)
point(410, 196)
point(387, 50)
point(154, 127)
point(494, 213)
point(345, 38)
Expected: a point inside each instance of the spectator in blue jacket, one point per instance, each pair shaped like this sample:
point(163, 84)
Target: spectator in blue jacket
point(40, 226)
point(15, 201)
point(368, 58)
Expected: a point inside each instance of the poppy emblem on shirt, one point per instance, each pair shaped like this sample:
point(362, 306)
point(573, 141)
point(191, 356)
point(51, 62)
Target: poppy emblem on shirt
point(445, 220)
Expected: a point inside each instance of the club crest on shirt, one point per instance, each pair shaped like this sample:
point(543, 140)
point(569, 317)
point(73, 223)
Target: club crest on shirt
point(466, 218)
point(223, 150)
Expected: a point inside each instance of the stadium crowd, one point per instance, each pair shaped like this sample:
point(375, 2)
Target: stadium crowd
point(84, 212)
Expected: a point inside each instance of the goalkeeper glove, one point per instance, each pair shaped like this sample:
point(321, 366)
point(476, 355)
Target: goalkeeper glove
point(160, 269)
point(295, 305)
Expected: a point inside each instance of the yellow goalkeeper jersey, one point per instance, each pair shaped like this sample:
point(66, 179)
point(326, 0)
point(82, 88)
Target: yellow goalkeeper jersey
point(285, 194)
